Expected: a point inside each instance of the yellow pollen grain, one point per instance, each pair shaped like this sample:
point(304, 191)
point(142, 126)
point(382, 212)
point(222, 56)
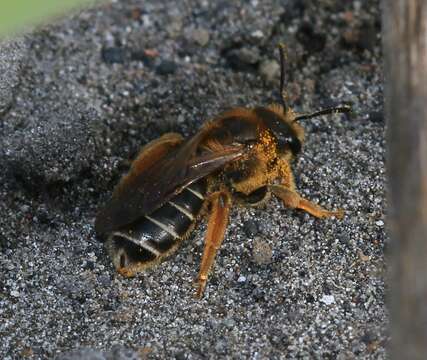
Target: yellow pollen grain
point(266, 148)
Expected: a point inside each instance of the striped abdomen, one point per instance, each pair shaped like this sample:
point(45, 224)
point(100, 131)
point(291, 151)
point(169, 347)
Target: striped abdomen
point(154, 236)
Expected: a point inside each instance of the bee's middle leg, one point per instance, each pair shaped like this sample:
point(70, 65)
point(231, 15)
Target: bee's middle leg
point(220, 207)
point(294, 200)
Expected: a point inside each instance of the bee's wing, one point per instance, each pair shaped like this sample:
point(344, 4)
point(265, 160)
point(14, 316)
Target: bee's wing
point(147, 190)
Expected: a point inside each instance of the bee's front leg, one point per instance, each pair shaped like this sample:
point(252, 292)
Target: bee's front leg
point(294, 200)
point(220, 207)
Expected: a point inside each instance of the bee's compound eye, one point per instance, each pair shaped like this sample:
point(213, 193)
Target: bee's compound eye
point(292, 143)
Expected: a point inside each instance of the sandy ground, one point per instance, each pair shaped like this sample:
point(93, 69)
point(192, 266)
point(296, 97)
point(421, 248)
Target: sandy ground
point(80, 97)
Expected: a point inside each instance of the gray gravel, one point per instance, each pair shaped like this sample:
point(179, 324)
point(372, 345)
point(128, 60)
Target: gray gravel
point(79, 98)
point(12, 54)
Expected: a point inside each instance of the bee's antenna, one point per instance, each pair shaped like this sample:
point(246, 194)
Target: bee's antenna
point(283, 95)
point(332, 110)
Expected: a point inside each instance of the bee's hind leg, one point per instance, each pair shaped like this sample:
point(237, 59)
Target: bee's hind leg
point(220, 207)
point(294, 200)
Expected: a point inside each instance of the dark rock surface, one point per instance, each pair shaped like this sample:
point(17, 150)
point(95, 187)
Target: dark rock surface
point(12, 55)
point(78, 100)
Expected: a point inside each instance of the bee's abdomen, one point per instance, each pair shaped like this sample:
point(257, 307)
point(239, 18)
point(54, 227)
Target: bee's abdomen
point(154, 235)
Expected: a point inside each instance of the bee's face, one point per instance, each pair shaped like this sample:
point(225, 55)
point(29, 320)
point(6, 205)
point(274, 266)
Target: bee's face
point(288, 134)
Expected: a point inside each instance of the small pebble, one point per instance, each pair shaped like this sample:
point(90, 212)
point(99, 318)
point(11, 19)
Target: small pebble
point(244, 58)
point(113, 55)
point(270, 70)
point(220, 346)
point(257, 34)
point(166, 67)
point(180, 356)
point(104, 280)
point(327, 299)
point(261, 252)
point(200, 36)
point(250, 228)
point(229, 323)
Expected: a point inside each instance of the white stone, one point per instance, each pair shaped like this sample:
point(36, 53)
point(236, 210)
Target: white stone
point(327, 299)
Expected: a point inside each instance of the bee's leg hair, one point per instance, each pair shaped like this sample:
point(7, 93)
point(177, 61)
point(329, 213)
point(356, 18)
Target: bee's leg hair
point(293, 200)
point(220, 207)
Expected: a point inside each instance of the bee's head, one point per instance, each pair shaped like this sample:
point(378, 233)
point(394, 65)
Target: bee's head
point(282, 121)
point(288, 134)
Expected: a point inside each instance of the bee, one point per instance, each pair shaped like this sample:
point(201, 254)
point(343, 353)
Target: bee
point(241, 156)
